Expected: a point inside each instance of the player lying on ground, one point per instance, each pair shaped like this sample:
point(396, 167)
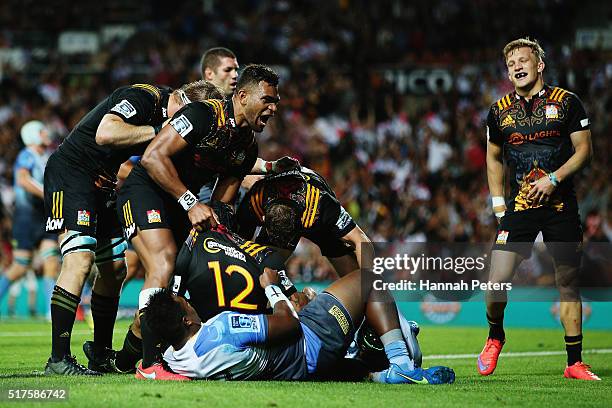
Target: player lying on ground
point(220, 271)
point(284, 345)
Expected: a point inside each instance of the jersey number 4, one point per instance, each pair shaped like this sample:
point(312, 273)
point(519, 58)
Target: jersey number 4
point(236, 302)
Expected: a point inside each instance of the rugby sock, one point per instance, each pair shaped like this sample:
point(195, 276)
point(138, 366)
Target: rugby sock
point(496, 328)
point(131, 352)
point(396, 350)
point(4, 285)
point(104, 313)
point(63, 311)
point(573, 346)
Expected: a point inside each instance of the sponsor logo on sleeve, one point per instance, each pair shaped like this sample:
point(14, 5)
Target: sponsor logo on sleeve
point(343, 220)
point(125, 109)
point(240, 323)
point(182, 125)
point(584, 122)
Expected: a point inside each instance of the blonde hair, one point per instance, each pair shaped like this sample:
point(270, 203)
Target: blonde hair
point(198, 91)
point(534, 45)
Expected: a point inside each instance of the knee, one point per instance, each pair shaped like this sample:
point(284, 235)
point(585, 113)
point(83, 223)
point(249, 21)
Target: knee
point(163, 266)
point(78, 262)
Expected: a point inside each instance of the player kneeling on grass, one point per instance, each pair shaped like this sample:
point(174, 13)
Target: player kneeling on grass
point(285, 345)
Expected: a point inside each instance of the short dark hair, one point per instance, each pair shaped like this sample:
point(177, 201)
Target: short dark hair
point(201, 90)
point(164, 316)
point(255, 73)
point(281, 223)
point(212, 58)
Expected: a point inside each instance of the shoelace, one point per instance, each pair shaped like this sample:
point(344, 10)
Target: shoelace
point(587, 369)
point(78, 366)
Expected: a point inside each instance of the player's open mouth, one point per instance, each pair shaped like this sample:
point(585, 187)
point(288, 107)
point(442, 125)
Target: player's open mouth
point(520, 75)
point(264, 119)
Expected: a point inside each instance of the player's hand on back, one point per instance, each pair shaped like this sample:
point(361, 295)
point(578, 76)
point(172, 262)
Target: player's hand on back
point(202, 216)
point(269, 277)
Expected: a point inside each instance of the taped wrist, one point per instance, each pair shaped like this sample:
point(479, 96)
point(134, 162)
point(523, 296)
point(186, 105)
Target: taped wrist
point(498, 201)
point(275, 295)
point(188, 200)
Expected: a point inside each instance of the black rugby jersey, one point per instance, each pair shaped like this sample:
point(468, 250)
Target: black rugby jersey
point(220, 271)
point(535, 136)
point(216, 145)
point(322, 216)
point(138, 104)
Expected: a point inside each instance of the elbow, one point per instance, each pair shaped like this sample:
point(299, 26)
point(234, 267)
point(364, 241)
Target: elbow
point(148, 159)
point(102, 136)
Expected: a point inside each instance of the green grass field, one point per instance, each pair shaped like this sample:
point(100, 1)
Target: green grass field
point(518, 381)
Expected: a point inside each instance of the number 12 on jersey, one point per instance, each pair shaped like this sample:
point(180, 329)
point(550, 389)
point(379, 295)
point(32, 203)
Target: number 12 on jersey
point(235, 302)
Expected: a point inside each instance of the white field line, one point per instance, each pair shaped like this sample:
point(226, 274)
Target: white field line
point(430, 357)
point(45, 333)
point(513, 354)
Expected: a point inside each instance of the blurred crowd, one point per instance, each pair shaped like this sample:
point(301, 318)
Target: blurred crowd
point(407, 167)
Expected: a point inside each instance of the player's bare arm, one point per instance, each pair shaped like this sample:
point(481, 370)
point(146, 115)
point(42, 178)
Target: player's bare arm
point(226, 189)
point(583, 151)
point(357, 238)
point(25, 180)
point(157, 162)
point(495, 177)
point(113, 131)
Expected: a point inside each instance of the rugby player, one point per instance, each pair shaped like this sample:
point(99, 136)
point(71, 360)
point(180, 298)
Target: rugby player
point(79, 186)
point(220, 66)
point(284, 207)
point(156, 204)
point(300, 203)
point(544, 134)
point(29, 216)
point(284, 345)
